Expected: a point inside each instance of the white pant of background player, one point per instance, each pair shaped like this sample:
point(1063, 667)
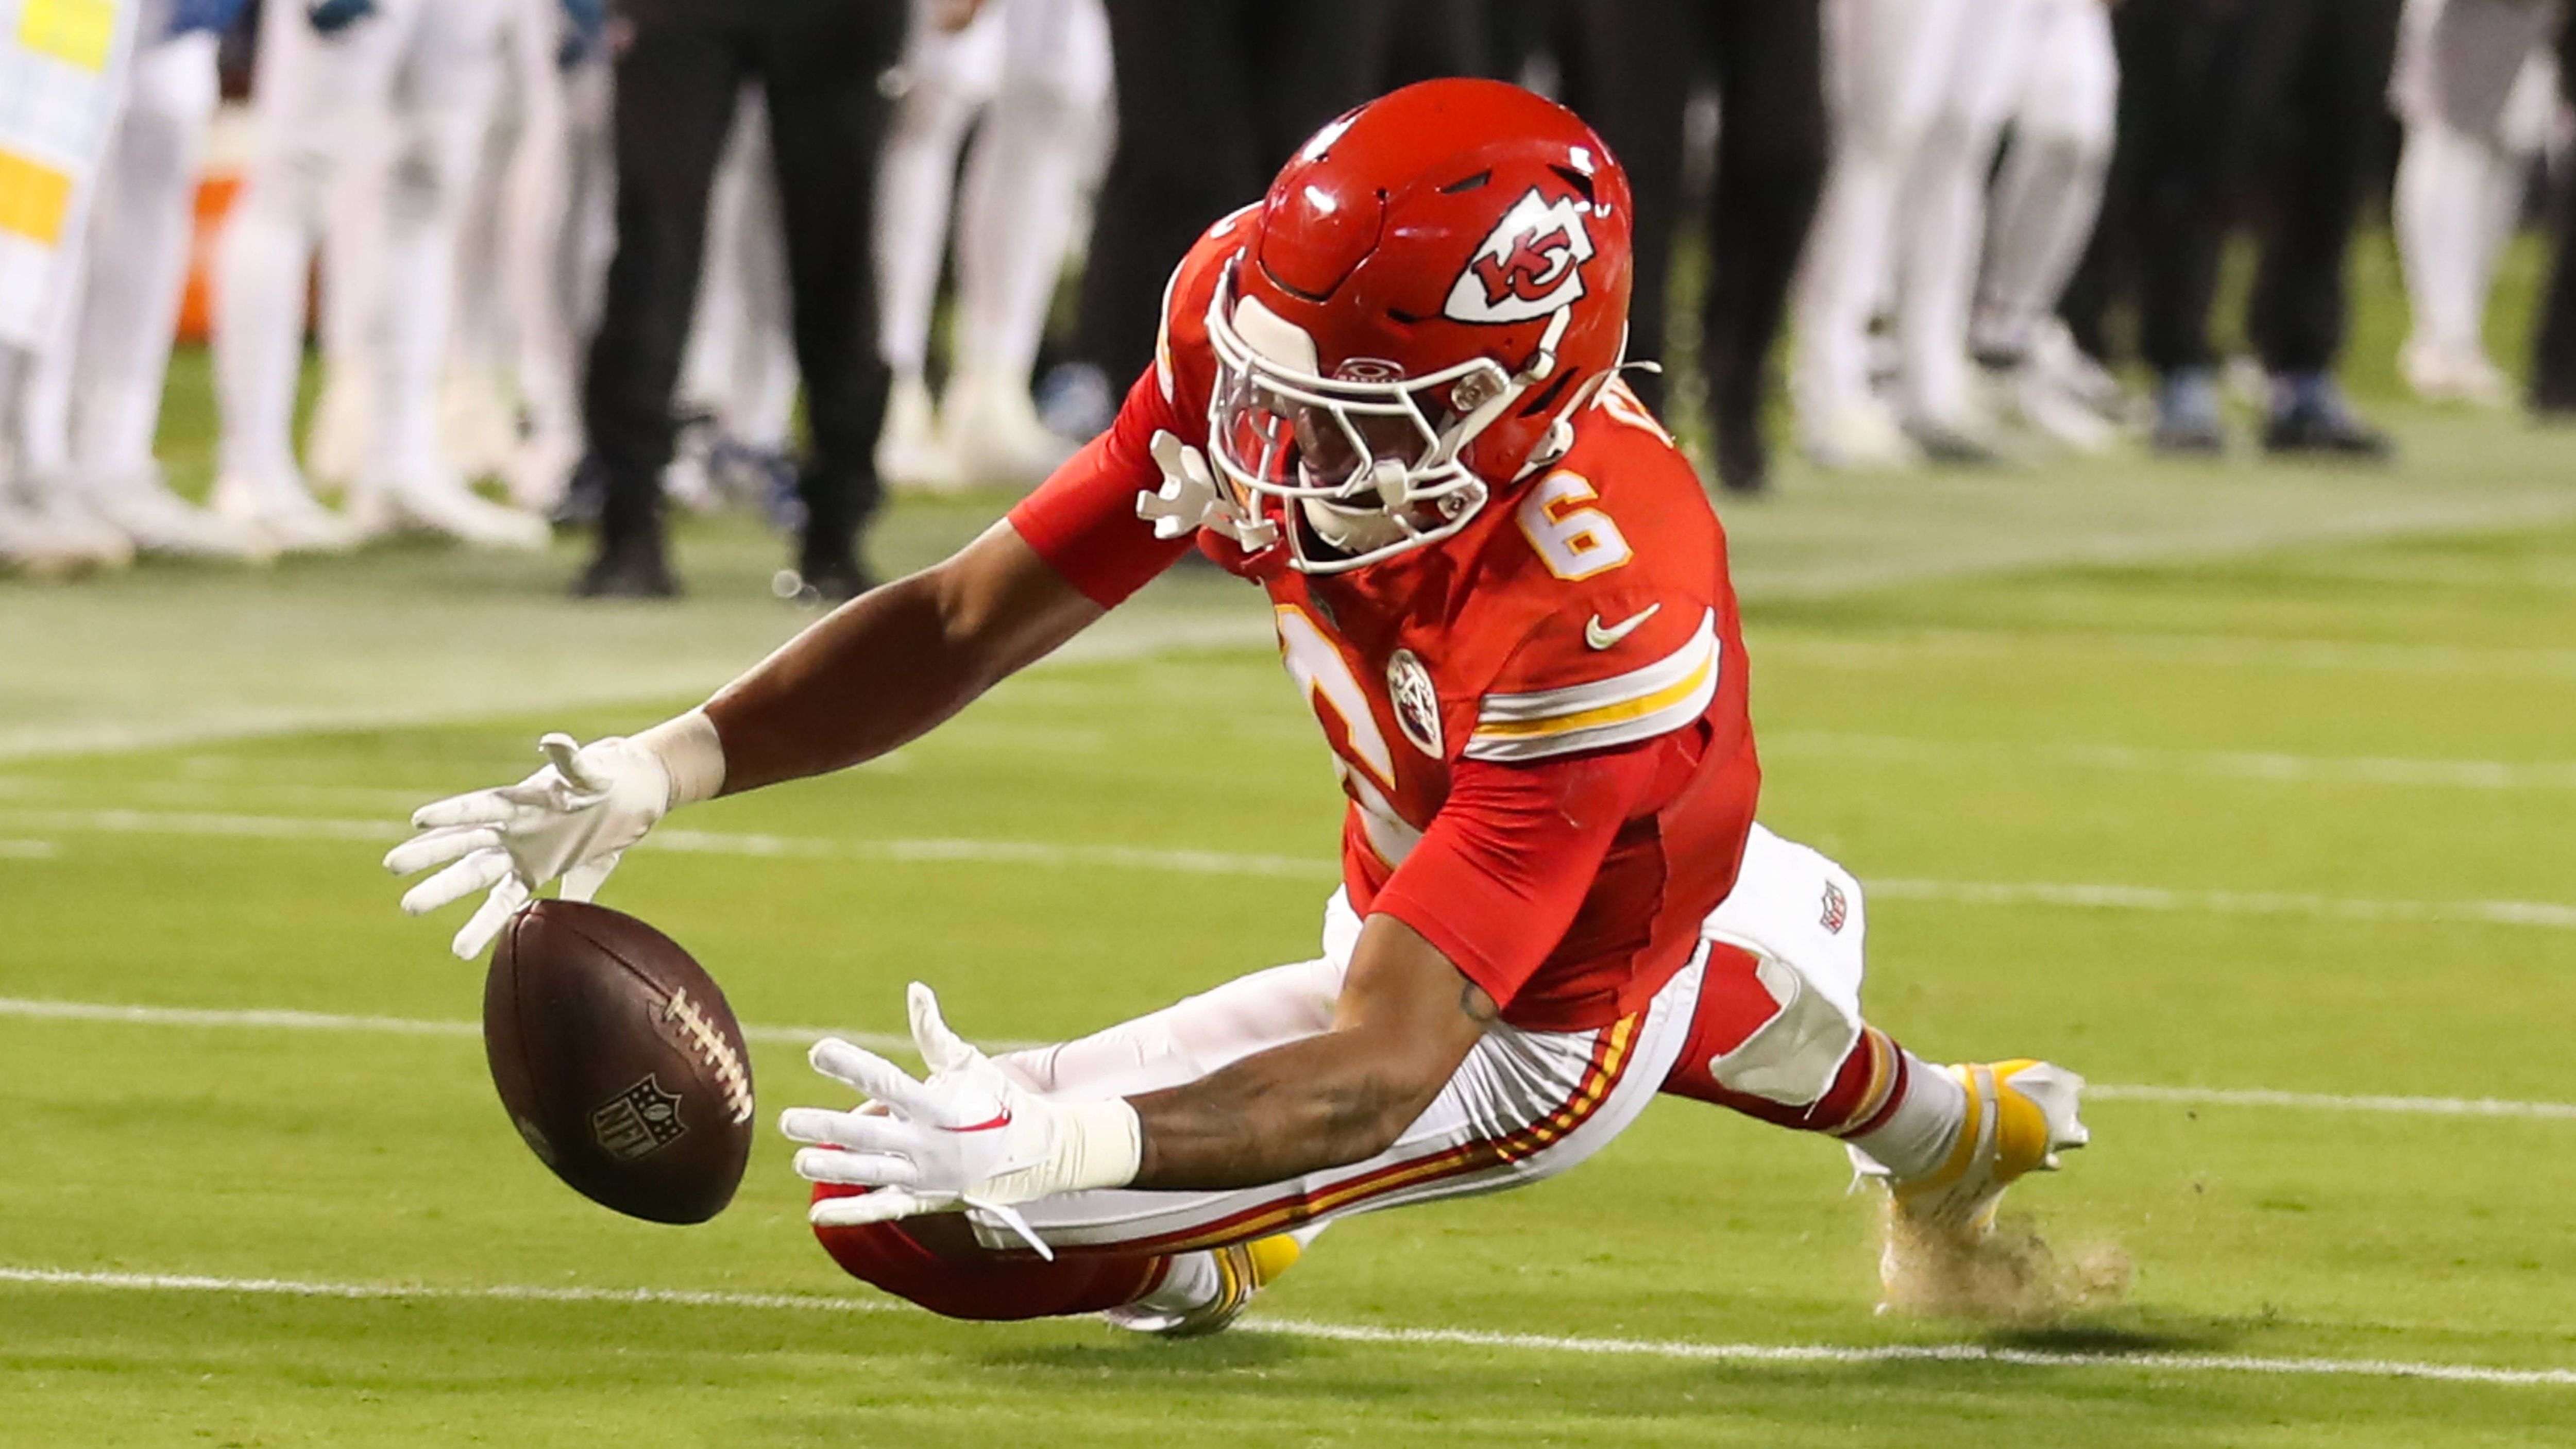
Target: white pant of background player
point(93, 404)
point(1037, 74)
point(396, 103)
point(1526, 1105)
point(2478, 90)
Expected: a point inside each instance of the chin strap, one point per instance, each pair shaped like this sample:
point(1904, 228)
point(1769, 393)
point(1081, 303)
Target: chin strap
point(1190, 500)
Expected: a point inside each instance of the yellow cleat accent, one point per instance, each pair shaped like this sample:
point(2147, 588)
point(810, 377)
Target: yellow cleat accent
point(1942, 1254)
point(1242, 1270)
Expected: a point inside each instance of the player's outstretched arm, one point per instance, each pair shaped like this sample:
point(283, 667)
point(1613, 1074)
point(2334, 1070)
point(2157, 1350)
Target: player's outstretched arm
point(972, 1136)
point(887, 666)
point(876, 672)
point(1405, 1020)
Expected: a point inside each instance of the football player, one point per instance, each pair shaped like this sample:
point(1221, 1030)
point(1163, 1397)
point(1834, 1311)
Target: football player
point(1388, 394)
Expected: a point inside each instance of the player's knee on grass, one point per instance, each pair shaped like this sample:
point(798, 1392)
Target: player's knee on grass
point(936, 1263)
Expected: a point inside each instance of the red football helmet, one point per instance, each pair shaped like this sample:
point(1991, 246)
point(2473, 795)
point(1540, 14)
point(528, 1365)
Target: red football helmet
point(1432, 288)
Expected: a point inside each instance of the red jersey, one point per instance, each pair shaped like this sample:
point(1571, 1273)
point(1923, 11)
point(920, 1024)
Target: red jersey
point(1540, 722)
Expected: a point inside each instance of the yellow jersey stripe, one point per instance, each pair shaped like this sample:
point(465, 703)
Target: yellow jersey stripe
point(1609, 714)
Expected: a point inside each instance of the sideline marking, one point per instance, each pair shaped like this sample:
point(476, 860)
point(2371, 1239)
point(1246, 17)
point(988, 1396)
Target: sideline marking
point(1680, 1349)
point(2547, 915)
point(29, 849)
point(43, 1009)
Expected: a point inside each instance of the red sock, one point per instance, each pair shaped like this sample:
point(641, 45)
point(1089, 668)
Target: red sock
point(1734, 1004)
point(951, 1277)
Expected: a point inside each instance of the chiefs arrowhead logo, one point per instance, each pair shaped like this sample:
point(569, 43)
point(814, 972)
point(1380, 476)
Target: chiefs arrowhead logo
point(1530, 265)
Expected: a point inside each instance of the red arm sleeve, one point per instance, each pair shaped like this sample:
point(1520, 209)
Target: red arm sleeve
point(1511, 856)
point(1083, 521)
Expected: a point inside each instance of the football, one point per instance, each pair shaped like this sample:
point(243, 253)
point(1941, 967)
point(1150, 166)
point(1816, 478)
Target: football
point(619, 1061)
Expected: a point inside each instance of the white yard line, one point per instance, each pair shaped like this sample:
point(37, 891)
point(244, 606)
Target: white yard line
point(1682, 1350)
point(2224, 764)
point(29, 849)
point(2544, 915)
point(2210, 650)
point(117, 1013)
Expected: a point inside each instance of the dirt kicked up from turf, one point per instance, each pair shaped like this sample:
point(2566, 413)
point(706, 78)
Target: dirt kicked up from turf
point(2010, 1276)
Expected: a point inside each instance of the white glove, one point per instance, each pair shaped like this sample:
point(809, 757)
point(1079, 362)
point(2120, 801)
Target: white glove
point(968, 1137)
point(574, 819)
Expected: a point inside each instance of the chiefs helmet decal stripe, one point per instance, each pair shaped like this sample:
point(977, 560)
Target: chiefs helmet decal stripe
point(1634, 706)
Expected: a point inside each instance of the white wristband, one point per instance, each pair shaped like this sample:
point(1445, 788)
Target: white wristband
point(690, 754)
point(1102, 1146)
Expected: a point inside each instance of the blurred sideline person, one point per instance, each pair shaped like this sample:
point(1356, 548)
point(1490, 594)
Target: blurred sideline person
point(2046, 202)
point(1031, 78)
point(1388, 393)
point(1212, 95)
point(2477, 85)
point(93, 405)
point(73, 120)
point(2282, 103)
point(1889, 68)
point(738, 375)
point(680, 66)
point(2553, 363)
point(557, 231)
point(370, 118)
point(1767, 62)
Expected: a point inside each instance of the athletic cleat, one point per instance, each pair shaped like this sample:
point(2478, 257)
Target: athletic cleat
point(283, 515)
point(1242, 1270)
point(441, 503)
point(911, 452)
point(1864, 438)
point(159, 521)
point(1941, 1255)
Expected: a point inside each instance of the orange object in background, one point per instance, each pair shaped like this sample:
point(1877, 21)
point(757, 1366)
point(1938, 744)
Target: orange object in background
point(227, 156)
point(215, 193)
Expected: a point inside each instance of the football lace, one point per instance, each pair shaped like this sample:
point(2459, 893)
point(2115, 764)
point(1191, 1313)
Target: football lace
point(718, 1052)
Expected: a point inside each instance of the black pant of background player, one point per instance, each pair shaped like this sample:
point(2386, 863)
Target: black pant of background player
point(680, 67)
point(1213, 96)
point(1641, 59)
point(2278, 102)
point(2553, 364)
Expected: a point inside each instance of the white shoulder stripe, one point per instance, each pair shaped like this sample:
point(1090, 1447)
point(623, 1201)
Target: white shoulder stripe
point(1653, 679)
point(1641, 704)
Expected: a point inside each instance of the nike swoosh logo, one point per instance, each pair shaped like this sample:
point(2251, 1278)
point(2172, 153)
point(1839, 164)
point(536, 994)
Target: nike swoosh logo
point(998, 1121)
point(1601, 638)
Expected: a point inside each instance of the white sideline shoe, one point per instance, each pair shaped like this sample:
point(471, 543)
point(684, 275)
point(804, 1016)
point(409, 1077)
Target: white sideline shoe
point(2447, 375)
point(2037, 402)
point(910, 451)
point(477, 428)
point(54, 542)
point(441, 503)
point(993, 430)
point(1861, 438)
point(161, 522)
point(285, 516)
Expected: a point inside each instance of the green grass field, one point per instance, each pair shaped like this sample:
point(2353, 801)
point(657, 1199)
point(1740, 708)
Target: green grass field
point(2211, 783)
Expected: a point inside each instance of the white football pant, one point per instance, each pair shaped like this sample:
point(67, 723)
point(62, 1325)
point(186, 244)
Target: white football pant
point(741, 360)
point(394, 109)
point(2065, 117)
point(1889, 68)
point(93, 404)
point(1038, 72)
point(1524, 1106)
point(559, 228)
point(2477, 88)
